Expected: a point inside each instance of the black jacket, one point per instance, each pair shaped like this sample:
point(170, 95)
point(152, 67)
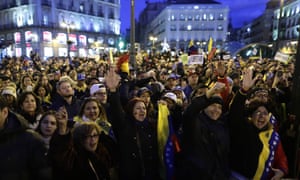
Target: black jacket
point(136, 163)
point(205, 144)
point(22, 152)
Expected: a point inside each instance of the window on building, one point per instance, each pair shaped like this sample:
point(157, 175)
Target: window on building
point(190, 18)
point(221, 17)
point(220, 28)
point(197, 17)
point(182, 18)
point(81, 7)
point(173, 27)
point(211, 17)
point(100, 11)
point(111, 14)
point(173, 18)
point(204, 17)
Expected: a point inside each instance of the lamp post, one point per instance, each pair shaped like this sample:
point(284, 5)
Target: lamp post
point(132, 36)
point(68, 25)
point(153, 39)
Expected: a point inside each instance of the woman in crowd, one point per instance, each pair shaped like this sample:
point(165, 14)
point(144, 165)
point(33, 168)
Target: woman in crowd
point(91, 110)
point(137, 138)
point(26, 84)
point(78, 153)
point(205, 138)
point(43, 94)
point(256, 149)
point(47, 127)
point(29, 107)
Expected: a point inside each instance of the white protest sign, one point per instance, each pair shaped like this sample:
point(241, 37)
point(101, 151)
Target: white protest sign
point(281, 57)
point(195, 59)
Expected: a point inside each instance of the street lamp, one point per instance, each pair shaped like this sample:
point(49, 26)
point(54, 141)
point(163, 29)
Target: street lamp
point(68, 25)
point(153, 39)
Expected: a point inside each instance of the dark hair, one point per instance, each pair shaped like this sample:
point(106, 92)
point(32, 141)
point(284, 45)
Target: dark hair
point(22, 98)
point(47, 113)
point(252, 107)
point(129, 107)
point(3, 103)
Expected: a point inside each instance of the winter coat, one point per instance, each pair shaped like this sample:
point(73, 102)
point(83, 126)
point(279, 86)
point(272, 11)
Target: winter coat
point(247, 145)
point(137, 143)
point(205, 144)
point(22, 152)
point(70, 162)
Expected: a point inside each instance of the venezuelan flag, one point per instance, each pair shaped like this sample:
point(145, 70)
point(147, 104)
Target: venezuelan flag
point(210, 44)
point(168, 143)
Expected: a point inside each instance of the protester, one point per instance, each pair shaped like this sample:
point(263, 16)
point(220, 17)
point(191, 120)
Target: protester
point(29, 107)
point(22, 152)
point(47, 127)
point(77, 154)
point(137, 138)
point(66, 98)
point(256, 149)
point(205, 138)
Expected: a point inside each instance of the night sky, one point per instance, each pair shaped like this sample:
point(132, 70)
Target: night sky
point(240, 10)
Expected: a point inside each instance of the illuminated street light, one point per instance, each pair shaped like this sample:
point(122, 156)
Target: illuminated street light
point(153, 39)
point(69, 26)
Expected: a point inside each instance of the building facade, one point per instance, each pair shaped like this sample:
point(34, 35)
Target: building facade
point(179, 23)
point(286, 27)
point(59, 28)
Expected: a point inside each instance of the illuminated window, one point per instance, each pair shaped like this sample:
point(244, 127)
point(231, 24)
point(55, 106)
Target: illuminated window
point(182, 18)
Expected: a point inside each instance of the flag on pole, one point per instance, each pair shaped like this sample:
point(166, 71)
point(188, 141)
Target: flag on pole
point(168, 143)
point(123, 64)
point(210, 44)
point(192, 48)
point(111, 57)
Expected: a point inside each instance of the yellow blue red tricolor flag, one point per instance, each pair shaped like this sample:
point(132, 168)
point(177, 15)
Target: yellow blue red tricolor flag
point(168, 143)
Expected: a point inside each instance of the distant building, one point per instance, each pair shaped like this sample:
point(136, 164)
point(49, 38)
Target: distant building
point(46, 26)
point(179, 22)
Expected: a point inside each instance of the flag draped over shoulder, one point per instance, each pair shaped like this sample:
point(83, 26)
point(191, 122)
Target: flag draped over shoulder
point(168, 143)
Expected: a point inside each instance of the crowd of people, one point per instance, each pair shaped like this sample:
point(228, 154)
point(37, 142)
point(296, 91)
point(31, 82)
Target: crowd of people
point(102, 119)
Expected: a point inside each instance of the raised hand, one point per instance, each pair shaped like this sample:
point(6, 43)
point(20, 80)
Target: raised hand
point(62, 119)
point(248, 80)
point(112, 79)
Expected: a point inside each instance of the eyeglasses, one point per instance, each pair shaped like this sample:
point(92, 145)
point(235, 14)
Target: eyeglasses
point(258, 113)
point(92, 136)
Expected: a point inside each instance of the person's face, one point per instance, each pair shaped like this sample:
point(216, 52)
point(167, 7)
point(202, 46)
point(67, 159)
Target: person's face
point(27, 81)
point(172, 82)
point(139, 111)
point(146, 97)
point(29, 104)
point(213, 111)
point(41, 92)
point(260, 117)
point(9, 98)
point(193, 79)
point(66, 89)
point(101, 95)
point(48, 125)
point(44, 80)
point(3, 116)
point(91, 110)
point(91, 141)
